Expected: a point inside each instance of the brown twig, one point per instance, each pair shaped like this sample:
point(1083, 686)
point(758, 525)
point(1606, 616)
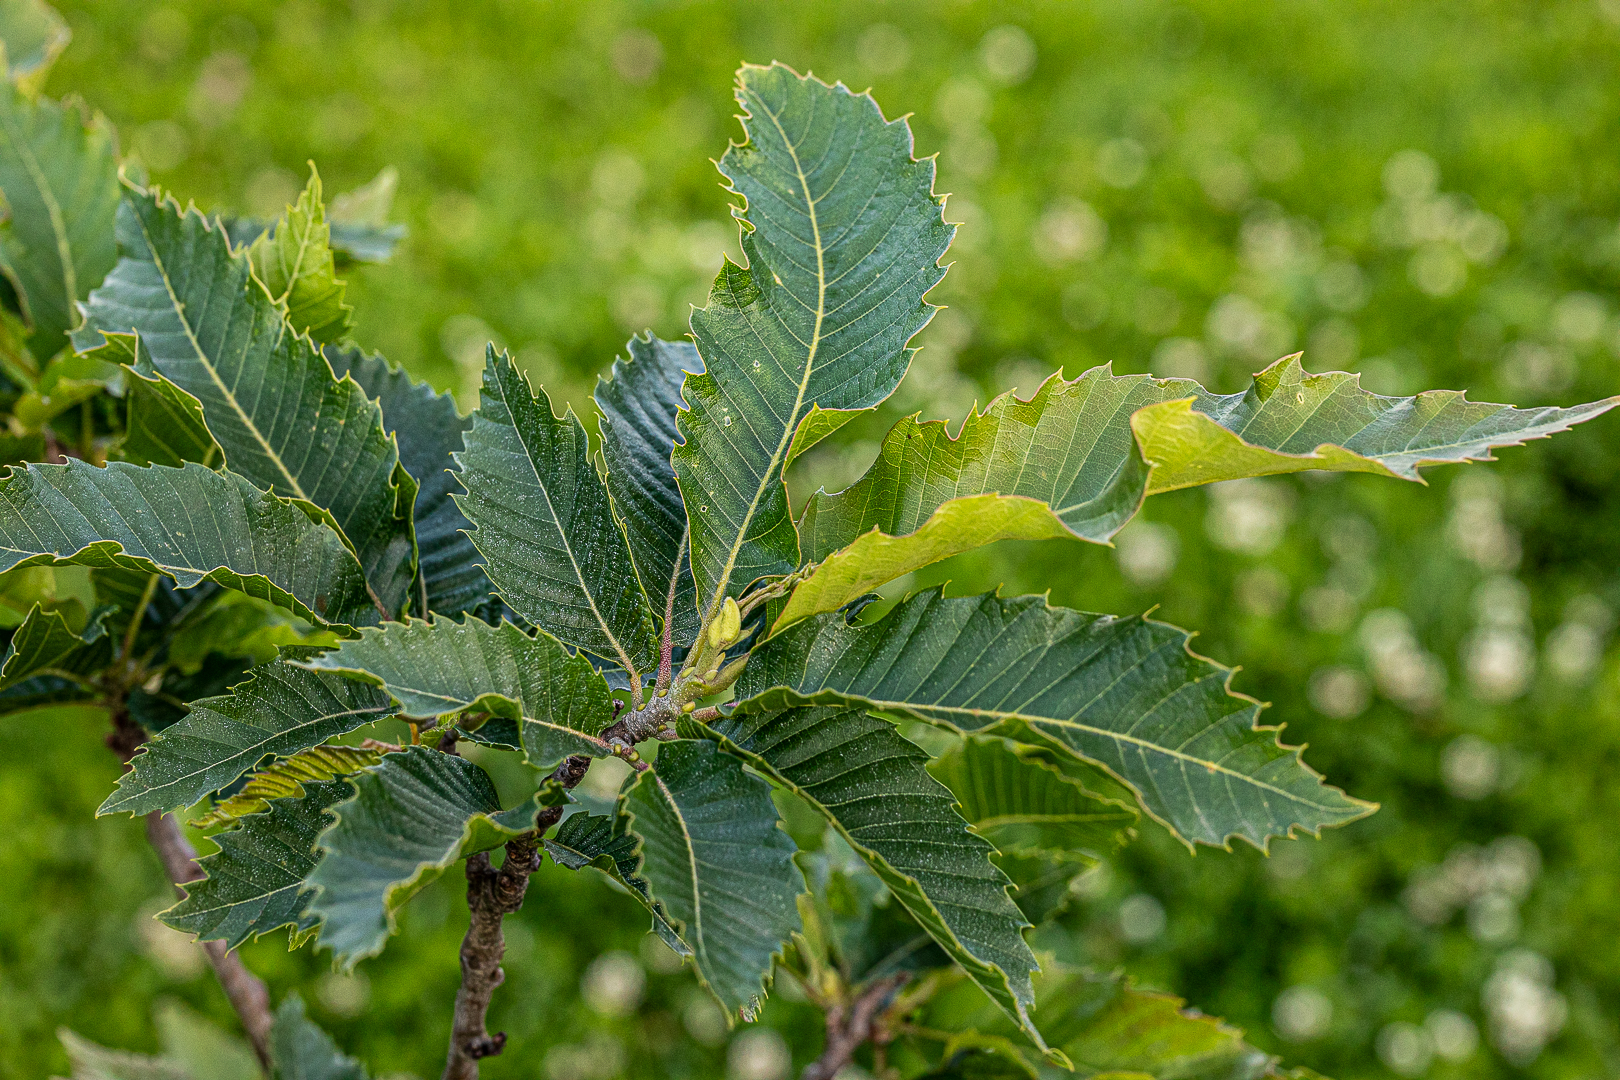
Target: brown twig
point(853, 1024)
point(246, 992)
point(491, 896)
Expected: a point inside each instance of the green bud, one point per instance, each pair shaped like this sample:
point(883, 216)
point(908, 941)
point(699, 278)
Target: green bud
point(726, 626)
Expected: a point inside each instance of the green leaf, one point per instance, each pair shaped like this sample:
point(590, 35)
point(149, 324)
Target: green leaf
point(713, 857)
point(877, 558)
point(600, 841)
point(1125, 693)
point(817, 424)
point(1109, 1028)
point(1025, 807)
point(202, 1048)
point(279, 711)
point(285, 778)
point(92, 1062)
point(163, 424)
point(1093, 448)
point(872, 786)
point(439, 667)
point(411, 817)
point(294, 261)
point(300, 1050)
point(360, 228)
point(151, 519)
point(638, 406)
point(269, 398)
point(255, 881)
point(545, 526)
point(59, 173)
point(34, 35)
point(450, 579)
point(843, 236)
point(1290, 421)
point(46, 645)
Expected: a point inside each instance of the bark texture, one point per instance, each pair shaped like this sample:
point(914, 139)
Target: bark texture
point(247, 994)
point(492, 895)
point(851, 1025)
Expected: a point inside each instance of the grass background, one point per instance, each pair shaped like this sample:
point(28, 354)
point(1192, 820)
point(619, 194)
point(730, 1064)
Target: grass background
point(1428, 194)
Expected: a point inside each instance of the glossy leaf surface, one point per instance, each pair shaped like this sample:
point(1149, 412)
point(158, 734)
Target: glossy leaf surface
point(1125, 693)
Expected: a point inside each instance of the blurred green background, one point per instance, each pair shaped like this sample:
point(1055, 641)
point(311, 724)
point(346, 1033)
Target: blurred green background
point(1425, 193)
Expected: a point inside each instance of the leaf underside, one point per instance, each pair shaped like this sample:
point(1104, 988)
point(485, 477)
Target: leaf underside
point(285, 778)
point(270, 399)
point(713, 858)
point(1092, 448)
point(192, 524)
point(164, 425)
point(1125, 693)
point(843, 236)
point(557, 698)
point(280, 711)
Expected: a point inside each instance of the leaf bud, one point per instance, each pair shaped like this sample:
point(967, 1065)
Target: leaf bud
point(726, 626)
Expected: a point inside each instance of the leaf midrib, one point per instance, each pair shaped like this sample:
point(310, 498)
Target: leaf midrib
point(928, 711)
point(556, 522)
point(692, 862)
point(213, 373)
point(804, 381)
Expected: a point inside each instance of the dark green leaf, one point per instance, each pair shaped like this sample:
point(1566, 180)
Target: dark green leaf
point(294, 261)
point(46, 645)
point(59, 173)
point(714, 859)
point(165, 707)
point(1024, 806)
point(411, 817)
point(279, 711)
point(874, 789)
point(1126, 693)
point(843, 237)
point(269, 398)
point(599, 840)
point(545, 526)
point(255, 881)
point(431, 669)
point(429, 430)
point(192, 524)
point(300, 1050)
point(639, 433)
point(164, 425)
